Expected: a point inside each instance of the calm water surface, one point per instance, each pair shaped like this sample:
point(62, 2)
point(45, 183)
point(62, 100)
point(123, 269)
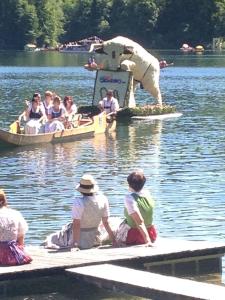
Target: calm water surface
point(183, 158)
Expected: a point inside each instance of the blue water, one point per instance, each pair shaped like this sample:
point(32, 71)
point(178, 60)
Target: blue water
point(183, 158)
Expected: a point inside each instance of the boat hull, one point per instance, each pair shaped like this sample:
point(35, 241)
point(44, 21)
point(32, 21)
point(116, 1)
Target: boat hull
point(98, 125)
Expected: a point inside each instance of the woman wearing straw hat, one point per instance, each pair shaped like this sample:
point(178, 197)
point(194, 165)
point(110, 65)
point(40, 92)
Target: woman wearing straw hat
point(12, 231)
point(88, 211)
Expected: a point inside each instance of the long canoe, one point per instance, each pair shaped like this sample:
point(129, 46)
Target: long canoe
point(87, 128)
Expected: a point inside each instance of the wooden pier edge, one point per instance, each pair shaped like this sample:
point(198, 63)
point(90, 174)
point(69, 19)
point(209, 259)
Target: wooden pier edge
point(146, 284)
point(170, 257)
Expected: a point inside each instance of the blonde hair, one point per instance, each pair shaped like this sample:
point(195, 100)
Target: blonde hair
point(57, 99)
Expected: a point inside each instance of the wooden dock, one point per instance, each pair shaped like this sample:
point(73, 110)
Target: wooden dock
point(146, 284)
point(167, 257)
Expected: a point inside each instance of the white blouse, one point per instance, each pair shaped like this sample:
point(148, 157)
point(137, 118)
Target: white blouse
point(12, 224)
point(90, 209)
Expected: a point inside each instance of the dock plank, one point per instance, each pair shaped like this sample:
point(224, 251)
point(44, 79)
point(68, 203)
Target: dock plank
point(146, 284)
point(44, 260)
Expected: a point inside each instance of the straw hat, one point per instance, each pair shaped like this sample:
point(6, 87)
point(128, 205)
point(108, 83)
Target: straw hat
point(87, 185)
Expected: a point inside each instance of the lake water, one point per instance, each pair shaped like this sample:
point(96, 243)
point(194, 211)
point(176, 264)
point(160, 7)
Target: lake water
point(183, 158)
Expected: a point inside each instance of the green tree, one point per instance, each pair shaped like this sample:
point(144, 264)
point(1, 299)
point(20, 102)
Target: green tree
point(218, 18)
point(118, 18)
point(51, 23)
point(87, 18)
point(187, 21)
point(142, 18)
point(18, 24)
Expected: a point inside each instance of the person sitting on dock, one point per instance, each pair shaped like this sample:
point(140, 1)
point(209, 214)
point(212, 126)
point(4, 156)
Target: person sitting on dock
point(12, 231)
point(109, 104)
point(88, 211)
point(34, 115)
point(56, 116)
point(138, 214)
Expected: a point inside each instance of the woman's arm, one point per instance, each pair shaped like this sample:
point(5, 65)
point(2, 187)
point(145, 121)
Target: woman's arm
point(76, 232)
point(20, 240)
point(138, 220)
point(105, 221)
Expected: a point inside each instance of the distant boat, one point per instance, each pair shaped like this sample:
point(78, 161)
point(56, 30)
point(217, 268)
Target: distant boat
point(80, 46)
point(186, 48)
point(164, 64)
point(199, 48)
point(31, 48)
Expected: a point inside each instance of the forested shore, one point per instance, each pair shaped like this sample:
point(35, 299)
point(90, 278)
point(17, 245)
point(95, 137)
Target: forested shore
point(153, 23)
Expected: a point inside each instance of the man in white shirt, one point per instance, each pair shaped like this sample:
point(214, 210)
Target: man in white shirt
point(109, 104)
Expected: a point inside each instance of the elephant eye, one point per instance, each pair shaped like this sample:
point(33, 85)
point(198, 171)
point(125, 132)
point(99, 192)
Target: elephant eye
point(120, 54)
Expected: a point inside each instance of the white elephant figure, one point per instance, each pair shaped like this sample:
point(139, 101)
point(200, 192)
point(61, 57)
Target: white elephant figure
point(123, 53)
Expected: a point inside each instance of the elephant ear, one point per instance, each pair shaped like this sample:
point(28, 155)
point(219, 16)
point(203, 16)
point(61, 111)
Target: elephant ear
point(128, 50)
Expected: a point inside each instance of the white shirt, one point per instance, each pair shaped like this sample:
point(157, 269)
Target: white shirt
point(71, 113)
point(90, 209)
point(47, 107)
point(12, 224)
point(109, 105)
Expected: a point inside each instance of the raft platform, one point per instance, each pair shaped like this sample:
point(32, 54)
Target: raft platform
point(139, 270)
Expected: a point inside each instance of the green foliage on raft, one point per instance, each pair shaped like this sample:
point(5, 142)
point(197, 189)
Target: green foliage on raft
point(146, 110)
point(127, 113)
point(90, 110)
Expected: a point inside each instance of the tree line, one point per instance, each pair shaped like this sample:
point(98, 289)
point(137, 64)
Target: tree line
point(153, 23)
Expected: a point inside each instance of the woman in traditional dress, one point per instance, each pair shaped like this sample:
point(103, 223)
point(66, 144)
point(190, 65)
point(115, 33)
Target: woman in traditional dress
point(35, 114)
point(70, 112)
point(88, 211)
point(56, 116)
point(138, 226)
point(48, 102)
point(12, 231)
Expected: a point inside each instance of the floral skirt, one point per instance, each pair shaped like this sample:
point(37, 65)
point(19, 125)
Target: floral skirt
point(12, 254)
point(134, 236)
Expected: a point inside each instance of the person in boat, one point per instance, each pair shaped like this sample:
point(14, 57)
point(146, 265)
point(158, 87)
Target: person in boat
point(91, 65)
point(56, 116)
point(138, 226)
point(13, 228)
point(48, 102)
point(35, 116)
point(88, 211)
point(70, 111)
point(109, 104)
point(164, 64)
